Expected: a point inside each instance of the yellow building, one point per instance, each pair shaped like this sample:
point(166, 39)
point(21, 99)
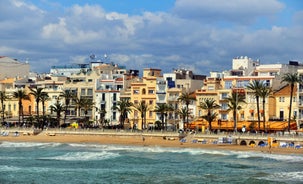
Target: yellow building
point(144, 91)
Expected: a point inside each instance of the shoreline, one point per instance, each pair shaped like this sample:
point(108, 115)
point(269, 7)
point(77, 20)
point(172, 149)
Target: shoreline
point(139, 140)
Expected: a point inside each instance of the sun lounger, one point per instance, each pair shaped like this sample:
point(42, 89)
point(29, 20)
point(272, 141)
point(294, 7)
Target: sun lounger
point(297, 146)
point(5, 133)
point(183, 140)
point(195, 141)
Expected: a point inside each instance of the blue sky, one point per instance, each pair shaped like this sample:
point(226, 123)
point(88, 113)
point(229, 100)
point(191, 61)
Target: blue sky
point(200, 35)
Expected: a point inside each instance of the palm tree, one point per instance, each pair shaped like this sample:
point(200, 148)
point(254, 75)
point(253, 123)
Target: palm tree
point(183, 112)
point(186, 98)
point(3, 97)
point(162, 109)
point(123, 107)
point(234, 100)
point(37, 93)
point(209, 105)
point(57, 108)
point(291, 79)
point(142, 107)
point(86, 104)
point(256, 86)
point(20, 95)
point(78, 105)
point(264, 93)
point(102, 113)
point(44, 97)
point(67, 95)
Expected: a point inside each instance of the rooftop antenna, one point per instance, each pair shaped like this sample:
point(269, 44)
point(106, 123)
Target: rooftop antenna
point(92, 56)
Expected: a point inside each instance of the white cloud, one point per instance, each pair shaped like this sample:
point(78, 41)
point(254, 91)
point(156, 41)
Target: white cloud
point(188, 36)
point(232, 10)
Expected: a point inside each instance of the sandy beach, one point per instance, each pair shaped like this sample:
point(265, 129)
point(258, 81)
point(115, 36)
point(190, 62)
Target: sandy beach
point(139, 140)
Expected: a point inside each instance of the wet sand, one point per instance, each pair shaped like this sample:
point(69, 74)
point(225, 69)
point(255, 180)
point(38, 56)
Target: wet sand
point(139, 140)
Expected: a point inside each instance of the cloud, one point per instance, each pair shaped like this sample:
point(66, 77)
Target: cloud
point(191, 35)
point(238, 11)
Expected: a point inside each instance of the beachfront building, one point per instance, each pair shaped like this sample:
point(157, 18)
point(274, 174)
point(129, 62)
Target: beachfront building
point(143, 94)
point(107, 94)
point(221, 85)
point(299, 91)
point(10, 67)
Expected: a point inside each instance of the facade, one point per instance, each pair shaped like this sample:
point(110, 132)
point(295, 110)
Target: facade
point(105, 84)
point(13, 68)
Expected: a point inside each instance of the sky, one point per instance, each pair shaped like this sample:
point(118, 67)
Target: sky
point(198, 35)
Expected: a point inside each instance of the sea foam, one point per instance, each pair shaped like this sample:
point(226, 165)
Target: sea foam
point(84, 156)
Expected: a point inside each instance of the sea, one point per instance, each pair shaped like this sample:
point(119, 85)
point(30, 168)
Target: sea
point(63, 163)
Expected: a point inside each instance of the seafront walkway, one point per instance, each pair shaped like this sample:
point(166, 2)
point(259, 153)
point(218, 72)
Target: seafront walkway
point(222, 137)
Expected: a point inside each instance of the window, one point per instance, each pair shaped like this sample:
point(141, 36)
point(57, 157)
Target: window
point(224, 106)
point(150, 91)
point(82, 91)
point(114, 105)
point(224, 95)
point(224, 116)
point(228, 84)
point(90, 92)
point(115, 97)
point(211, 88)
point(135, 91)
point(151, 102)
point(103, 96)
point(281, 99)
point(143, 91)
point(90, 80)
point(114, 116)
point(136, 114)
point(150, 114)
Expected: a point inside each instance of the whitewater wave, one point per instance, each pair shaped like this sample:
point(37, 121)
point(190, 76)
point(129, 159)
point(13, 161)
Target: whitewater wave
point(6, 144)
point(83, 156)
point(278, 157)
point(293, 177)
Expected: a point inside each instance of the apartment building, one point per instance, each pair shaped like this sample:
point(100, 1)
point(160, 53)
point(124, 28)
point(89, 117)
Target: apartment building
point(12, 68)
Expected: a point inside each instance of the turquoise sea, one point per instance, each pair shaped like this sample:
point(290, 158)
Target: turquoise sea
point(93, 163)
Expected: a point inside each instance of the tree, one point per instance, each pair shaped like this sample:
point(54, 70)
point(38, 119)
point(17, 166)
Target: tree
point(20, 95)
point(123, 107)
point(78, 105)
point(44, 97)
point(142, 107)
point(102, 113)
point(3, 97)
point(291, 79)
point(183, 112)
point(162, 109)
point(186, 98)
point(68, 96)
point(86, 104)
point(37, 93)
point(209, 105)
point(256, 87)
point(234, 100)
point(57, 108)
point(264, 93)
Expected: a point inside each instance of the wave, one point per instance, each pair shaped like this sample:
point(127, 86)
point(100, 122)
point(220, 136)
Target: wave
point(277, 157)
point(6, 144)
point(83, 156)
point(285, 176)
point(5, 168)
point(106, 149)
point(194, 151)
